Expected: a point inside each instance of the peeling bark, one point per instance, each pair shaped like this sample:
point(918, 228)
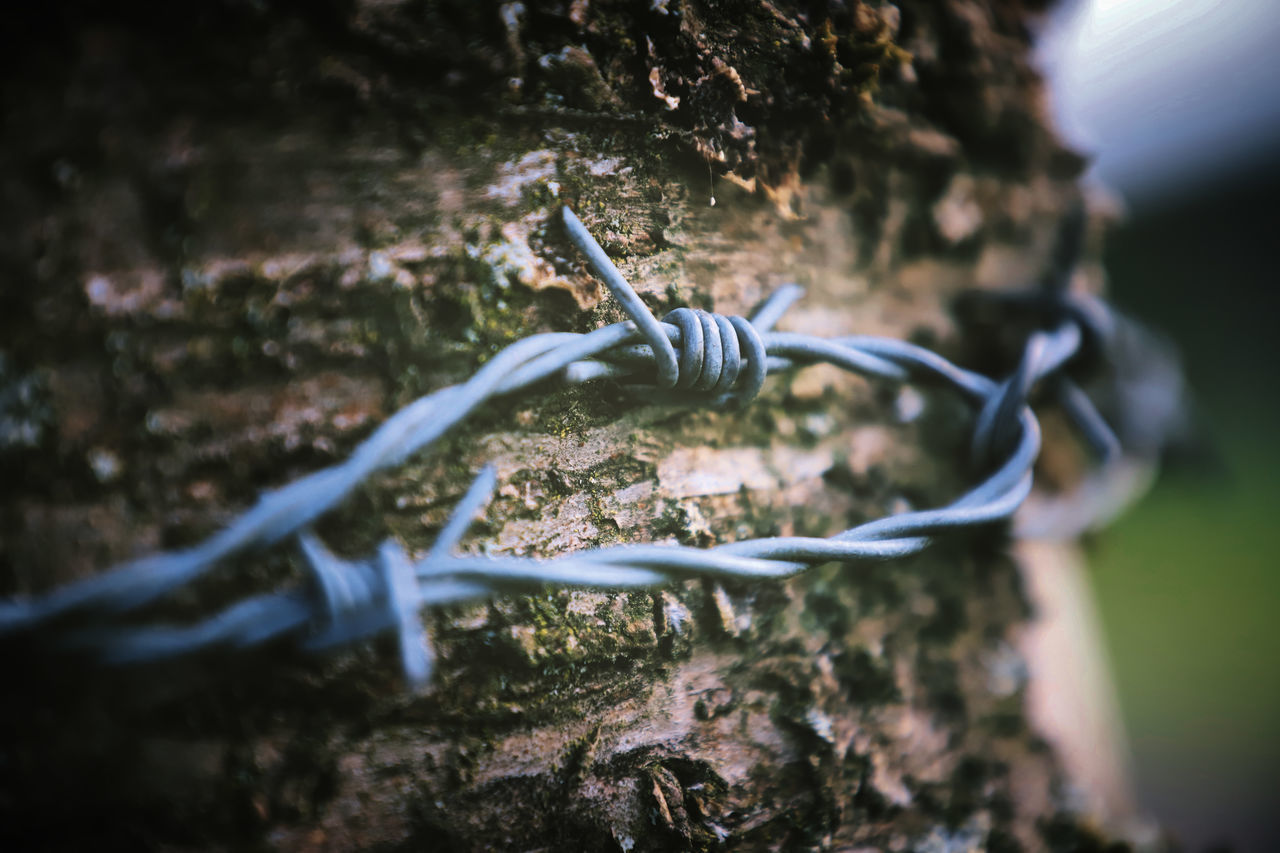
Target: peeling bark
point(234, 244)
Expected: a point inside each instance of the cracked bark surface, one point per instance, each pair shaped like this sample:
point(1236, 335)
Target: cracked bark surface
point(234, 243)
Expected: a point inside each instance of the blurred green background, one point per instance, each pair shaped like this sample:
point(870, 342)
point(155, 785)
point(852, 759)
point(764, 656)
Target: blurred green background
point(1188, 581)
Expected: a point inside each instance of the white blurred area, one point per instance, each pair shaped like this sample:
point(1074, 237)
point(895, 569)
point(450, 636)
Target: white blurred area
point(1177, 104)
point(1166, 95)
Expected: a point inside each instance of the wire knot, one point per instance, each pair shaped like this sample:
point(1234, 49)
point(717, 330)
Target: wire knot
point(716, 352)
point(359, 599)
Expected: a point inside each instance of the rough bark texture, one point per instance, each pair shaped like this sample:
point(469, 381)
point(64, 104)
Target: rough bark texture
point(235, 238)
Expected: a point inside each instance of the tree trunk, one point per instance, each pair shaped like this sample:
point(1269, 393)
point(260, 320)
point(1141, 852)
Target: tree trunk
point(236, 239)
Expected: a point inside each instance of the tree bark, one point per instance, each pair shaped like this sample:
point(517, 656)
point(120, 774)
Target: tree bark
point(235, 242)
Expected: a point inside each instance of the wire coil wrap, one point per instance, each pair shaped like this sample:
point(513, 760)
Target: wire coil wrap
point(714, 350)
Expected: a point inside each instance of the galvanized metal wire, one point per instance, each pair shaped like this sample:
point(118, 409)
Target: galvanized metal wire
point(689, 355)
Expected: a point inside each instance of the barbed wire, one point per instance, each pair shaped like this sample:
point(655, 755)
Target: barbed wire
point(689, 355)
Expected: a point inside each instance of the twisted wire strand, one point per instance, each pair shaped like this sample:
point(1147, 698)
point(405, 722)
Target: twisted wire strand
point(695, 355)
